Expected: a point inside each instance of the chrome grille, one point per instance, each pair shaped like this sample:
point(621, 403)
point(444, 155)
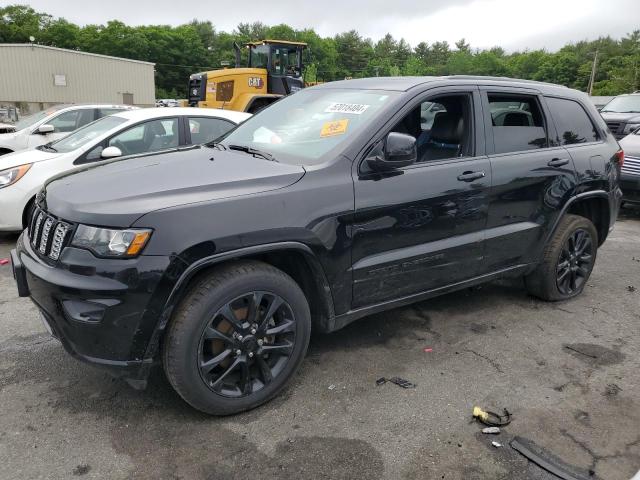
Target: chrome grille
point(613, 126)
point(48, 235)
point(631, 166)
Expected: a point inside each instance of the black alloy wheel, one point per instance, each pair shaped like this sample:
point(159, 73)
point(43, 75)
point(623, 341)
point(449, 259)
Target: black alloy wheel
point(575, 262)
point(246, 344)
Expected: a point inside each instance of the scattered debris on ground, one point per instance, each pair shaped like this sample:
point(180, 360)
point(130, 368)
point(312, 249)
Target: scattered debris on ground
point(4, 261)
point(492, 419)
point(491, 430)
point(631, 288)
point(401, 382)
point(548, 461)
point(496, 444)
point(427, 350)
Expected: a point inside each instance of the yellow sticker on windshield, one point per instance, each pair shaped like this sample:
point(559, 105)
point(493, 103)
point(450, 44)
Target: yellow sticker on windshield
point(337, 127)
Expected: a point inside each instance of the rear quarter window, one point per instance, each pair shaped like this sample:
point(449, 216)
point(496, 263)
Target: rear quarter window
point(572, 122)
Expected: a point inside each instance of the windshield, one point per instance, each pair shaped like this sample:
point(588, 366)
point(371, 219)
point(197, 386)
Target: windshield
point(258, 56)
point(32, 119)
point(305, 126)
point(625, 104)
point(87, 133)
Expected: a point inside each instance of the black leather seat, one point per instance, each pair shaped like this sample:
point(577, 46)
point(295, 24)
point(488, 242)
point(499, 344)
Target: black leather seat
point(445, 138)
point(516, 119)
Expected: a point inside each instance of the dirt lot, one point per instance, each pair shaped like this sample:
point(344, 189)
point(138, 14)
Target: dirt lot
point(567, 371)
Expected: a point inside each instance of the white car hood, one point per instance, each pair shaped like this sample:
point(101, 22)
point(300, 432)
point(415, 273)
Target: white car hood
point(26, 156)
point(7, 137)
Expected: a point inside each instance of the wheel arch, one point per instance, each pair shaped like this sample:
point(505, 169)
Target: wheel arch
point(592, 205)
point(295, 259)
point(27, 210)
point(257, 99)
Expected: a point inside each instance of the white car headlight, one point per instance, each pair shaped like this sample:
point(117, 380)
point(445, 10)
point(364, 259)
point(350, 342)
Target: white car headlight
point(106, 242)
point(631, 127)
point(13, 174)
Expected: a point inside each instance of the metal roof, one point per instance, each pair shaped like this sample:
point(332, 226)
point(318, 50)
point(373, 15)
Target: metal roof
point(34, 45)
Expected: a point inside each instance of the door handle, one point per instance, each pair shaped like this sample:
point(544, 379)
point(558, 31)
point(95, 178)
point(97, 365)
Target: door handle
point(558, 162)
point(470, 176)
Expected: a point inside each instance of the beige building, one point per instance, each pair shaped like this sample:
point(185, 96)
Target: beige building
point(34, 77)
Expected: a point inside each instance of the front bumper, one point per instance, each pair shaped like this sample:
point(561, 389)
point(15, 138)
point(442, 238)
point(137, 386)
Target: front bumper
point(102, 311)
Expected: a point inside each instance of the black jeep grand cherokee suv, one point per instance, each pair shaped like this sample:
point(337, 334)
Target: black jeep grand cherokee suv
point(339, 201)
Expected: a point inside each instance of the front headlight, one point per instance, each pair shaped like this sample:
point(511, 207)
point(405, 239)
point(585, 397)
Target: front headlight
point(12, 175)
point(106, 242)
point(631, 127)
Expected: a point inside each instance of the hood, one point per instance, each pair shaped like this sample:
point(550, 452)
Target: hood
point(117, 193)
point(621, 117)
point(7, 137)
point(630, 144)
point(25, 156)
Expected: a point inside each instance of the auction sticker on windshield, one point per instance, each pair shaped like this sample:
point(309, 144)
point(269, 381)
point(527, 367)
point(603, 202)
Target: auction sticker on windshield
point(352, 108)
point(338, 127)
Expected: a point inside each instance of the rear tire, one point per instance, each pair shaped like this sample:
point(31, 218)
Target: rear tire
point(224, 350)
point(567, 261)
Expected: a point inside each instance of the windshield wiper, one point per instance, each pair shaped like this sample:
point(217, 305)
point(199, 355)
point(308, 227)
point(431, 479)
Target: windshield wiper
point(216, 145)
point(254, 152)
point(47, 147)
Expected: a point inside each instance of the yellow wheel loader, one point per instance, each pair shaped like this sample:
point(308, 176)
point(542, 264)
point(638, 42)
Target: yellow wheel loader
point(275, 70)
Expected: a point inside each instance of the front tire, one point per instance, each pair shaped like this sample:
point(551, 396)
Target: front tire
point(237, 337)
point(567, 261)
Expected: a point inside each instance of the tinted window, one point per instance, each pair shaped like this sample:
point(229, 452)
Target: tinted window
point(572, 122)
point(147, 137)
point(204, 129)
point(441, 126)
point(517, 123)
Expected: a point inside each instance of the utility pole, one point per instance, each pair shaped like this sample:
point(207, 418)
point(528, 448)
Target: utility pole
point(593, 72)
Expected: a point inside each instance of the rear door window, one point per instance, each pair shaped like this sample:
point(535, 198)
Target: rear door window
point(572, 122)
point(517, 123)
point(205, 129)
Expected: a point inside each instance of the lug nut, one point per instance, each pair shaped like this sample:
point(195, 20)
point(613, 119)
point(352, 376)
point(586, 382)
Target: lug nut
point(239, 337)
point(253, 331)
point(250, 354)
point(238, 352)
point(260, 342)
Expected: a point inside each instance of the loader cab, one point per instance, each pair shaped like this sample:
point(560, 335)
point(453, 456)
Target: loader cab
point(283, 62)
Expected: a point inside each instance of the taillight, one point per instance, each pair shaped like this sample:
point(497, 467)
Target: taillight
point(620, 157)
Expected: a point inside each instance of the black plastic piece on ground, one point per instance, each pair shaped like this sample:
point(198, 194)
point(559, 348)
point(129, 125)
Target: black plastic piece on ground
point(401, 382)
point(546, 461)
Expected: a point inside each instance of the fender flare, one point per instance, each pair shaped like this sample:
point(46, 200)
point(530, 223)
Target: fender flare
point(209, 261)
point(571, 201)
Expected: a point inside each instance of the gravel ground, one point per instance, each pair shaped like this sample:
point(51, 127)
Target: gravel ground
point(567, 371)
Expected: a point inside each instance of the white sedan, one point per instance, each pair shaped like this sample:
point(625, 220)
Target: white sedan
point(126, 134)
point(51, 124)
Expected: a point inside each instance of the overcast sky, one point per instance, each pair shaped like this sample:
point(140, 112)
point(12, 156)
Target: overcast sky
point(512, 24)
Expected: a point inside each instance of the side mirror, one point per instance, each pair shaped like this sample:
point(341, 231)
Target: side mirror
point(400, 150)
point(45, 128)
point(111, 152)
